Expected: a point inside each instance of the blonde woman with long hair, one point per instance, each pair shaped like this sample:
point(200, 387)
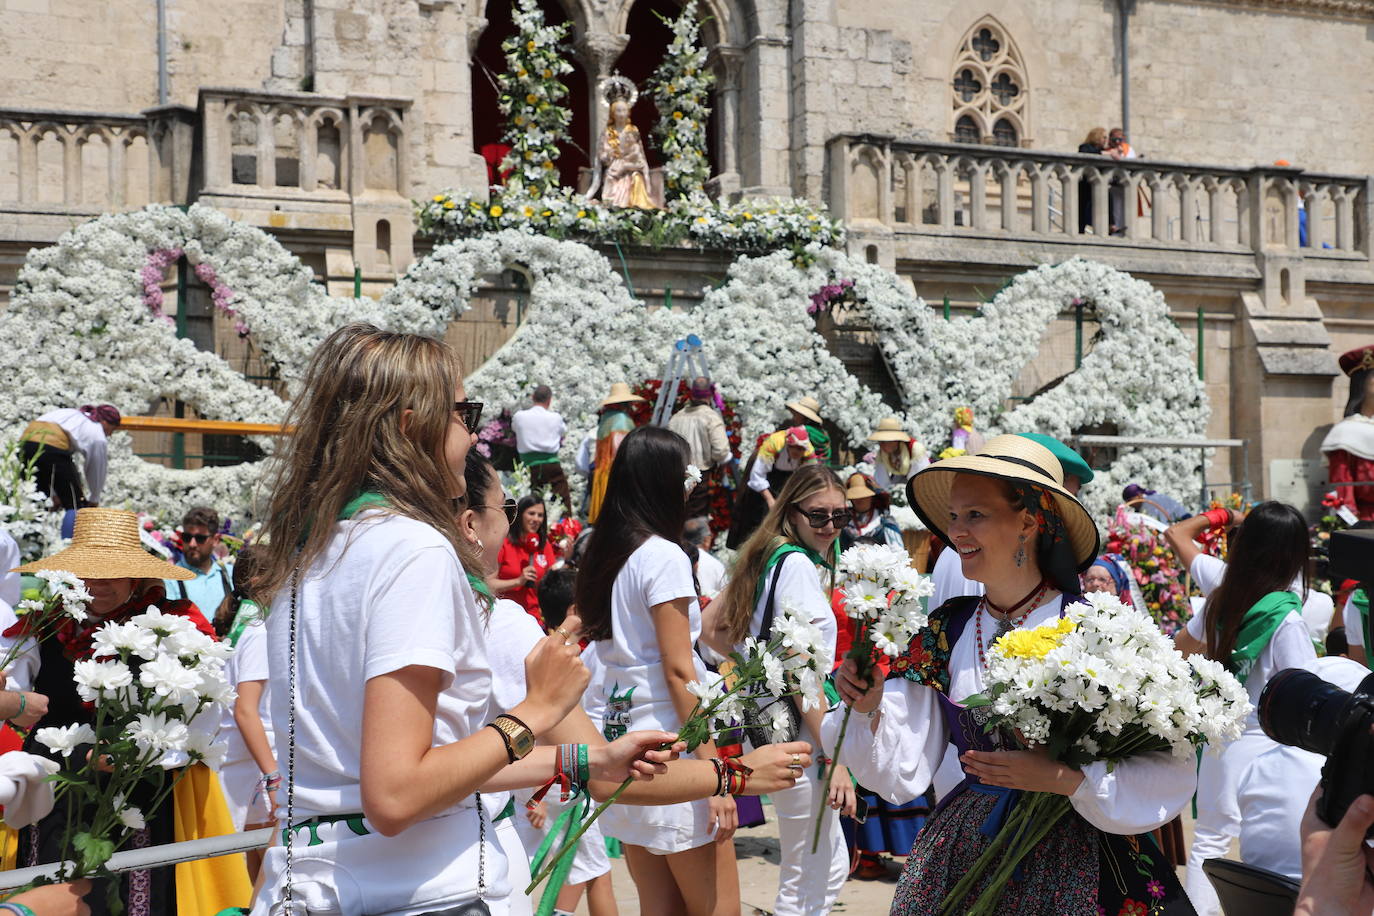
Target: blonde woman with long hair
point(377, 662)
point(790, 560)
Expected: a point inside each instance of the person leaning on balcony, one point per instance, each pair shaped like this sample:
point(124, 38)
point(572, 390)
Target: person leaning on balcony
point(50, 441)
point(1096, 143)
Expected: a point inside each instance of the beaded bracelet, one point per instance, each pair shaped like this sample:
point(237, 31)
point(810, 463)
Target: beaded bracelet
point(23, 705)
point(722, 783)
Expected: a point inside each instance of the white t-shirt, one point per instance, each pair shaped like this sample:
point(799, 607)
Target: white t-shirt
point(248, 663)
point(511, 636)
point(1208, 571)
point(1289, 647)
point(710, 574)
point(799, 581)
point(386, 593)
point(1354, 626)
point(538, 429)
point(1272, 796)
point(949, 581)
point(9, 558)
point(88, 438)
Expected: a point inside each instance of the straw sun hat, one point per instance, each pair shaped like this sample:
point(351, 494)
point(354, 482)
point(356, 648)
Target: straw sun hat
point(105, 545)
point(889, 430)
point(620, 394)
point(1013, 458)
point(856, 487)
point(807, 407)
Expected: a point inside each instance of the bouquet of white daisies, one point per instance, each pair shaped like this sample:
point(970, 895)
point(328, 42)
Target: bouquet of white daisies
point(158, 688)
point(1100, 683)
point(887, 600)
point(43, 609)
point(794, 662)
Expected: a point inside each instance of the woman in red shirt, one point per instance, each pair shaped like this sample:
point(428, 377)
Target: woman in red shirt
point(526, 554)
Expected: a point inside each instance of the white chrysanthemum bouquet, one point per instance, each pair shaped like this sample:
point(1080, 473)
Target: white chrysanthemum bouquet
point(886, 598)
point(158, 691)
point(1101, 683)
point(794, 662)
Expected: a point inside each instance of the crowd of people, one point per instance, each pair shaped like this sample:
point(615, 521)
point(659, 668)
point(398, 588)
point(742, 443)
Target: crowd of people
point(434, 675)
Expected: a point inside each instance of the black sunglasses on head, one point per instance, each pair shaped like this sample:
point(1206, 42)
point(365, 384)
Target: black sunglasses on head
point(819, 518)
point(470, 412)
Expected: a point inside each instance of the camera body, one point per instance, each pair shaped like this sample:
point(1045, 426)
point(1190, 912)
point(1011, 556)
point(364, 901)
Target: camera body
point(1300, 709)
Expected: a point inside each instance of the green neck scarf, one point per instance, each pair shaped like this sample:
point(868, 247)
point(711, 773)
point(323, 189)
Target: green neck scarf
point(782, 547)
point(1257, 629)
point(484, 595)
point(366, 499)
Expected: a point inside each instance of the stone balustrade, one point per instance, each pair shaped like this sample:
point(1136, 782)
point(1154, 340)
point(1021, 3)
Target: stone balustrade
point(905, 191)
point(62, 162)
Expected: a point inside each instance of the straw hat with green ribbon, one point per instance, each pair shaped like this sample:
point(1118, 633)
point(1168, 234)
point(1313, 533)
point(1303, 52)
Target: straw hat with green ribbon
point(105, 545)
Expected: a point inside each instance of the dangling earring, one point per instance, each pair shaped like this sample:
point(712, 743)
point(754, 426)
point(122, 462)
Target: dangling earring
point(481, 546)
point(1021, 552)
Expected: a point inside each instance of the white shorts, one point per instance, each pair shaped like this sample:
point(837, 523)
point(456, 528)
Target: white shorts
point(431, 866)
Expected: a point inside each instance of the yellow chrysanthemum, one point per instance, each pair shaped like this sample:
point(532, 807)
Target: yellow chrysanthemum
point(530, 46)
point(581, 214)
point(1033, 643)
point(449, 205)
point(531, 99)
point(529, 211)
point(548, 164)
point(496, 211)
point(438, 198)
point(677, 116)
point(519, 120)
point(548, 74)
point(522, 73)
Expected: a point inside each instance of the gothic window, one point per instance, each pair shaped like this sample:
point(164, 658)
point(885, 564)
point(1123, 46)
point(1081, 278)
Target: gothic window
point(989, 97)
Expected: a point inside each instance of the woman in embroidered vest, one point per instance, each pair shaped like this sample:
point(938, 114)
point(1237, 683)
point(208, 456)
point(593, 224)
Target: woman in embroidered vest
point(1252, 623)
point(124, 580)
point(1019, 532)
point(790, 561)
point(379, 681)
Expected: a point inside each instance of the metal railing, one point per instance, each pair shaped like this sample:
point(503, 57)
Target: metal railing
point(153, 856)
point(1179, 443)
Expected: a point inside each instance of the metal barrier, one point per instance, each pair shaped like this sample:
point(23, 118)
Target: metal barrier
point(1145, 442)
point(154, 856)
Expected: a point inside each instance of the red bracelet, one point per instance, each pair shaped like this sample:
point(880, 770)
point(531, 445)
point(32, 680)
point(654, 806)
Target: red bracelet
point(730, 750)
point(739, 775)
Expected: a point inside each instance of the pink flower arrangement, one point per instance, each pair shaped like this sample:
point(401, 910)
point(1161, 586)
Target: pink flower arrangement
point(155, 271)
point(828, 295)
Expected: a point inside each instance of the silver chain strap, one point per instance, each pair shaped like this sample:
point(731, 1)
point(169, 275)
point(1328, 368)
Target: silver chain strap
point(290, 740)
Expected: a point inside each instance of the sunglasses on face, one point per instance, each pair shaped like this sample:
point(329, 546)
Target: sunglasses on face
point(819, 518)
point(507, 507)
point(196, 538)
point(470, 412)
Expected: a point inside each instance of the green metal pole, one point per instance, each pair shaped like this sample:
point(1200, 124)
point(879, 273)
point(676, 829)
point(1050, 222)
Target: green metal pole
point(1200, 344)
point(947, 308)
point(357, 282)
point(667, 297)
point(1078, 336)
point(179, 409)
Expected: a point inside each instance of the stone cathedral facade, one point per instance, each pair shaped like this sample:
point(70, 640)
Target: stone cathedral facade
point(944, 133)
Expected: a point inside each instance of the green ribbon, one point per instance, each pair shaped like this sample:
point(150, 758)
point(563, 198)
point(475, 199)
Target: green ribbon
point(534, 459)
point(783, 548)
point(1257, 629)
point(367, 499)
point(1360, 598)
point(564, 827)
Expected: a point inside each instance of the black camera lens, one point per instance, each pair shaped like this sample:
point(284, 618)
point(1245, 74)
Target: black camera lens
point(1300, 709)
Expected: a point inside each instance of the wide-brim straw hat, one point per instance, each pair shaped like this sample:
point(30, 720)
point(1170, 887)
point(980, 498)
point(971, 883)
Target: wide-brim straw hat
point(807, 407)
point(889, 430)
point(620, 394)
point(856, 487)
point(105, 545)
point(1013, 458)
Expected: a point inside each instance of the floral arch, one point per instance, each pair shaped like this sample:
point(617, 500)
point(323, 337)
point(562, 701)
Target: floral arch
point(85, 301)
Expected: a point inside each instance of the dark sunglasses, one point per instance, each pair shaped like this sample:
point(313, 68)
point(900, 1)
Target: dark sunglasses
point(196, 538)
point(820, 518)
point(508, 507)
point(470, 412)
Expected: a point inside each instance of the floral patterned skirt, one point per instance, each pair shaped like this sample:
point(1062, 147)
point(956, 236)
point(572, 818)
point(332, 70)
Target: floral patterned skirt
point(1076, 870)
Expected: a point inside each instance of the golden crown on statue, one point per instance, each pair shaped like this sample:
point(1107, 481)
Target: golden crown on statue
point(618, 88)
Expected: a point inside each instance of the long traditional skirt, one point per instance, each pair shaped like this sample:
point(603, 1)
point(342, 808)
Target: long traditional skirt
point(1076, 870)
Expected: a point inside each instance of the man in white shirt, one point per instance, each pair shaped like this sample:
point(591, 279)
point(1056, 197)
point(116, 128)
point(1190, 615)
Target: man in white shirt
point(199, 538)
point(708, 444)
point(538, 437)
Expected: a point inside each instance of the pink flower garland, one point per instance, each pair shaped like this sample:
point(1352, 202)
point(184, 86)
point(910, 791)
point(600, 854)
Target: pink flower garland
point(155, 271)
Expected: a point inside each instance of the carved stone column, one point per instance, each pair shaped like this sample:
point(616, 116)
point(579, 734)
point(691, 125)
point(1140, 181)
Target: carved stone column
point(728, 64)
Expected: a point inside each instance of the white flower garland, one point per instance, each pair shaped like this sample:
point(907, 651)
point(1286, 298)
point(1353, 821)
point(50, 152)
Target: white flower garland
point(681, 90)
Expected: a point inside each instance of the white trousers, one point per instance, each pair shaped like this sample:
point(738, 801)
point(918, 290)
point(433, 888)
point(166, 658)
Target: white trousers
point(1218, 814)
point(809, 883)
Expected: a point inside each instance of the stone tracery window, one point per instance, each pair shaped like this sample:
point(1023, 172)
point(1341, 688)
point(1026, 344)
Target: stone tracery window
point(989, 91)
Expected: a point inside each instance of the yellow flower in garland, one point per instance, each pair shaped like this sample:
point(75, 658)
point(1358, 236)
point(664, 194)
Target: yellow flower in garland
point(530, 46)
point(449, 205)
point(531, 99)
point(496, 211)
point(438, 198)
point(677, 116)
point(548, 164)
point(581, 214)
point(1033, 643)
point(529, 211)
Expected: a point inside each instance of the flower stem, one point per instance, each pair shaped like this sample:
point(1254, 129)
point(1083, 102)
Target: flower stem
point(828, 774)
point(571, 844)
